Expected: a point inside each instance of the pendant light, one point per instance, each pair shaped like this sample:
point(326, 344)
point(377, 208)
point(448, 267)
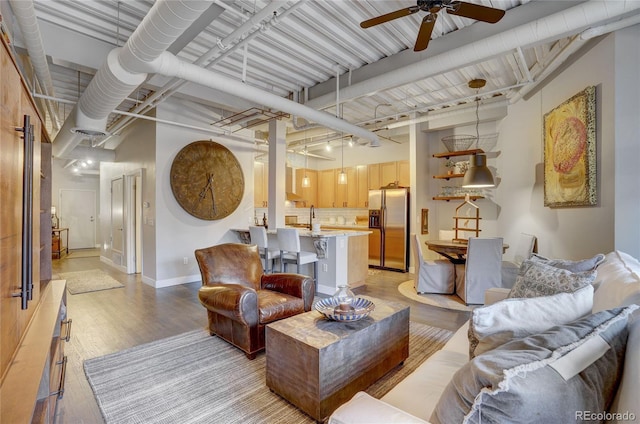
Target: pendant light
point(478, 175)
point(305, 180)
point(342, 177)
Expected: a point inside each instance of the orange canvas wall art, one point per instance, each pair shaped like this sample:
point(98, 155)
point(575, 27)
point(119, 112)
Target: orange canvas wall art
point(570, 152)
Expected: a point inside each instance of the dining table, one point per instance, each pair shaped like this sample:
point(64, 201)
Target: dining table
point(453, 250)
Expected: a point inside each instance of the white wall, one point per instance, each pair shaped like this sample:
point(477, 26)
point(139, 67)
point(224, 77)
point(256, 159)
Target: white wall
point(135, 153)
point(64, 179)
point(576, 232)
point(178, 233)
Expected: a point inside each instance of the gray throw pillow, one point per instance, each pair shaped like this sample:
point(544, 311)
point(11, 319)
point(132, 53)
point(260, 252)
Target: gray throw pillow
point(573, 266)
point(552, 377)
point(539, 279)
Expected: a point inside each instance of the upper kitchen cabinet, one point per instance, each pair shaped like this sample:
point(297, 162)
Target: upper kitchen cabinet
point(362, 172)
point(347, 194)
point(382, 174)
point(327, 188)
point(404, 173)
point(260, 184)
point(308, 194)
point(374, 176)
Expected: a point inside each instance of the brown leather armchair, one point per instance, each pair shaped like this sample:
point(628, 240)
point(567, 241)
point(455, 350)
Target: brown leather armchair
point(241, 299)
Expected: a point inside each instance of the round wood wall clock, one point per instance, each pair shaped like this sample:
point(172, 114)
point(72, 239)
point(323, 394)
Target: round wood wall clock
point(207, 180)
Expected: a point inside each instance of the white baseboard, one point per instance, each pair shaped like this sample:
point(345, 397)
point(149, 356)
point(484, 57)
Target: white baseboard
point(171, 281)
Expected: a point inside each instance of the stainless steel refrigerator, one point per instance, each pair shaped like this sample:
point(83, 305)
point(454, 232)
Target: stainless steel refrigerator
point(389, 223)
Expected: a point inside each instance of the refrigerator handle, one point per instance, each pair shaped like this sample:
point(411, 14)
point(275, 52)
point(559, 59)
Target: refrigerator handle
point(383, 220)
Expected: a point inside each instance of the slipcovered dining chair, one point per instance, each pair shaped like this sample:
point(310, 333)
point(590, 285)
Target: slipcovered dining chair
point(260, 239)
point(526, 246)
point(241, 300)
point(431, 276)
point(290, 253)
point(481, 271)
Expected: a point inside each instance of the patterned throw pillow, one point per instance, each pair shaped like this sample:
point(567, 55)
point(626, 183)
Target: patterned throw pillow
point(538, 279)
point(573, 266)
point(549, 377)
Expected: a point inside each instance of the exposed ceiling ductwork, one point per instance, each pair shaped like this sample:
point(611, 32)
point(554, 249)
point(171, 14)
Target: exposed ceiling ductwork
point(290, 55)
point(26, 17)
point(145, 52)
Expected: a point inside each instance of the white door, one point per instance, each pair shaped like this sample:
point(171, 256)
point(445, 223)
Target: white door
point(78, 214)
point(117, 220)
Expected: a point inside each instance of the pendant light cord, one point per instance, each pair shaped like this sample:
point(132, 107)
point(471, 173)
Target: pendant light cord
point(477, 118)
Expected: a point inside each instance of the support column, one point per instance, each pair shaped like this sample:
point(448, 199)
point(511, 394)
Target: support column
point(277, 171)
point(627, 148)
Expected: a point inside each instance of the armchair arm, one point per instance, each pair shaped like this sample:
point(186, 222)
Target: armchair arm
point(234, 301)
point(292, 284)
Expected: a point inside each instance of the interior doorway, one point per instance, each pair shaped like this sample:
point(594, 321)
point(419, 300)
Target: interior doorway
point(78, 214)
point(133, 222)
point(117, 221)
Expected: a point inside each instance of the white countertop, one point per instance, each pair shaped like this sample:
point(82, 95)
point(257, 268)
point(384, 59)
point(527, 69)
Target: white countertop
point(322, 233)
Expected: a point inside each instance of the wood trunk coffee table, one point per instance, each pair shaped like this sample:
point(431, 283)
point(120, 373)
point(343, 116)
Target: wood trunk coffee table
point(318, 365)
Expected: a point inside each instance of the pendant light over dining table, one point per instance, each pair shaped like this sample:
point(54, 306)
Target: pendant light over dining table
point(478, 175)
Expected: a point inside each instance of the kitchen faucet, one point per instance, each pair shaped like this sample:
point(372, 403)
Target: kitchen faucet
point(312, 214)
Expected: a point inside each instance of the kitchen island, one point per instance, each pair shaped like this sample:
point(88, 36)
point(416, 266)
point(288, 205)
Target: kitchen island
point(342, 255)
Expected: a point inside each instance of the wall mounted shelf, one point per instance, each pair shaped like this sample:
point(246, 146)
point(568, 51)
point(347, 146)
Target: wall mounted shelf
point(446, 177)
point(447, 155)
point(447, 198)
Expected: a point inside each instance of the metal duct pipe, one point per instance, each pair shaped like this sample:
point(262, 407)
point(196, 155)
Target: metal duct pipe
point(613, 26)
point(573, 47)
point(564, 23)
point(446, 114)
point(26, 17)
point(171, 66)
point(206, 59)
point(164, 23)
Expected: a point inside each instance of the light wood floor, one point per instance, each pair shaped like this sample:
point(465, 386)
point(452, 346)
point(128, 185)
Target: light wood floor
point(111, 320)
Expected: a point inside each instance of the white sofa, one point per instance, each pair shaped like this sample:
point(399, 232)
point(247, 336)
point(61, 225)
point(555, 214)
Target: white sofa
point(414, 399)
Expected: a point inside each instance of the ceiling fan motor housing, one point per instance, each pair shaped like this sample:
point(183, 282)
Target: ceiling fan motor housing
point(432, 6)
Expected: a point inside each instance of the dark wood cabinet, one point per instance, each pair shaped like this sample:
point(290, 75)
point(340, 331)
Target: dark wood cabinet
point(31, 327)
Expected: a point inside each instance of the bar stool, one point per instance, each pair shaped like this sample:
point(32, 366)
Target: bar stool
point(259, 238)
point(289, 242)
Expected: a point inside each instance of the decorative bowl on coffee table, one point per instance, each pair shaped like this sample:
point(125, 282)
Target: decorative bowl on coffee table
point(357, 309)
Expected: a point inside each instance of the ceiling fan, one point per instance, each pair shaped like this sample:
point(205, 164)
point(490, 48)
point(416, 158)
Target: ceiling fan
point(459, 8)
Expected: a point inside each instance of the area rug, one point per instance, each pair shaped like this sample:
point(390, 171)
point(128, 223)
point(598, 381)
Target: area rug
point(89, 281)
point(440, 300)
point(83, 253)
point(196, 378)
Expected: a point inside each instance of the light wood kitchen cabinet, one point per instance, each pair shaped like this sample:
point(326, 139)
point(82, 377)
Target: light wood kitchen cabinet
point(362, 171)
point(260, 184)
point(347, 194)
point(404, 173)
point(388, 173)
point(309, 194)
point(383, 174)
point(374, 176)
point(327, 188)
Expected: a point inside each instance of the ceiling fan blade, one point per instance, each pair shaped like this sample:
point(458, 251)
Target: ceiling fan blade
point(475, 11)
point(389, 17)
point(424, 35)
